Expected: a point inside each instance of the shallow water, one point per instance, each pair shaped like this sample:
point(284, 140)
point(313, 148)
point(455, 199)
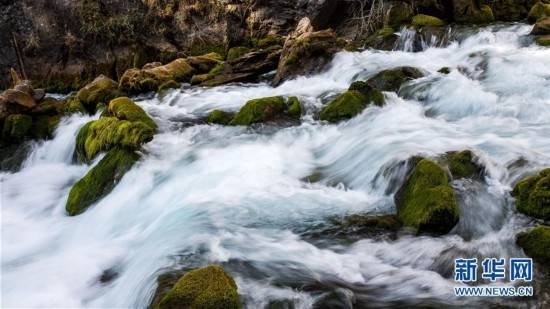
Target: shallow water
point(235, 196)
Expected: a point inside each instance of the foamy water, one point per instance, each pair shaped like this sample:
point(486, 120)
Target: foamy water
point(235, 196)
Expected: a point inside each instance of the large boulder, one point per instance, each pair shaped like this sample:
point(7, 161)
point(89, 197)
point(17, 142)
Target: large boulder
point(260, 110)
point(135, 81)
point(392, 79)
point(398, 14)
point(100, 180)
point(209, 287)
point(536, 244)
point(533, 195)
point(426, 201)
point(538, 11)
point(305, 52)
point(101, 90)
point(472, 12)
point(352, 102)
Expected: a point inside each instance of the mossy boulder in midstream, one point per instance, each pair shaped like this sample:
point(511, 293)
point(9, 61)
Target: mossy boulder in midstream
point(533, 195)
point(219, 117)
point(422, 20)
point(101, 90)
point(538, 11)
point(129, 128)
point(136, 81)
point(462, 164)
point(294, 109)
point(260, 110)
point(426, 201)
point(392, 79)
point(536, 244)
point(209, 287)
point(352, 102)
point(100, 180)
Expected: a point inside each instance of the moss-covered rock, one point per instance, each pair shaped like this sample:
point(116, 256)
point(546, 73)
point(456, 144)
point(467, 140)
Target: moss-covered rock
point(536, 244)
point(444, 70)
point(171, 84)
point(352, 102)
point(509, 10)
point(383, 39)
point(538, 11)
point(204, 63)
point(219, 117)
point(462, 164)
point(470, 12)
point(267, 41)
point(125, 109)
point(16, 127)
point(100, 180)
point(135, 81)
point(44, 126)
point(391, 80)
point(542, 27)
point(205, 288)
point(533, 195)
point(294, 107)
point(260, 110)
point(421, 20)
point(237, 52)
point(400, 13)
point(426, 201)
point(101, 90)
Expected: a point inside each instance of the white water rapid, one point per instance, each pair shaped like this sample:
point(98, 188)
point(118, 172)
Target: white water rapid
point(235, 196)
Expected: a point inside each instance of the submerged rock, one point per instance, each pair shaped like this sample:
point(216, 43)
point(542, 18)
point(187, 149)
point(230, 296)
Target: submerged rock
point(352, 102)
point(305, 52)
point(209, 287)
point(391, 80)
point(260, 110)
point(536, 244)
point(533, 195)
point(100, 180)
point(426, 201)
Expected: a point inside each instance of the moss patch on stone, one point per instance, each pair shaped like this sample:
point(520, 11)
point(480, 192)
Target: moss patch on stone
point(421, 20)
point(171, 84)
point(294, 107)
point(392, 79)
point(205, 288)
point(536, 243)
point(100, 90)
point(125, 109)
point(426, 201)
point(259, 110)
point(100, 180)
point(533, 195)
point(16, 127)
point(352, 102)
point(219, 117)
point(135, 81)
point(539, 10)
point(462, 164)
point(237, 52)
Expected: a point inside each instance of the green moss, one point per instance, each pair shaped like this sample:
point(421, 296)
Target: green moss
point(536, 244)
point(219, 117)
point(135, 81)
point(237, 52)
point(268, 41)
point(426, 20)
point(426, 201)
point(100, 180)
point(259, 110)
point(294, 107)
point(462, 165)
point(399, 14)
point(352, 102)
point(171, 84)
point(372, 94)
point(44, 126)
point(16, 127)
point(100, 90)
point(75, 106)
point(218, 69)
point(392, 79)
point(543, 40)
point(205, 288)
point(533, 195)
point(125, 109)
point(538, 11)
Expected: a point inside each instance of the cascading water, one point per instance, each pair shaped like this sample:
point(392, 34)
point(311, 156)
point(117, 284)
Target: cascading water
point(236, 196)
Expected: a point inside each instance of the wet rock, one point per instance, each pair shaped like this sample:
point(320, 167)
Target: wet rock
point(305, 52)
point(352, 102)
point(399, 13)
point(533, 195)
point(209, 287)
point(542, 27)
point(101, 90)
point(219, 117)
point(543, 40)
point(383, 39)
point(136, 81)
point(426, 201)
point(538, 11)
point(391, 80)
point(471, 12)
point(100, 180)
point(171, 84)
point(294, 109)
point(463, 165)
point(205, 63)
point(444, 70)
point(442, 9)
point(509, 10)
point(16, 127)
point(536, 244)
point(260, 110)
point(421, 20)
point(13, 96)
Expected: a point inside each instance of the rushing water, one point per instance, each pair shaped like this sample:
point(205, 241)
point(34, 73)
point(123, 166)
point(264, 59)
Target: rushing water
point(235, 196)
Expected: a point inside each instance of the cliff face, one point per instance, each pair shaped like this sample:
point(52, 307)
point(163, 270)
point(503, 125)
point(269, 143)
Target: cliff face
point(62, 44)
